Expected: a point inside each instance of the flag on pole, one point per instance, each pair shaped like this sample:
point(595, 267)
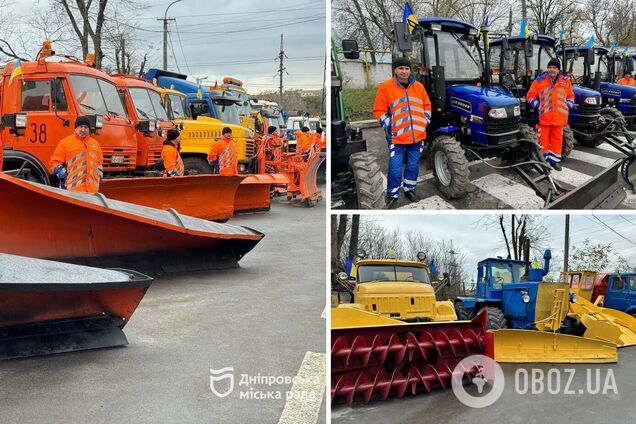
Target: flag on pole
point(562, 36)
point(524, 29)
point(612, 49)
point(535, 263)
point(17, 70)
point(432, 267)
point(409, 17)
point(590, 44)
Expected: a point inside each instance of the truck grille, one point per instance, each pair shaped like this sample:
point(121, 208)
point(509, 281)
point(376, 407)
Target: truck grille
point(125, 158)
point(403, 307)
point(249, 148)
point(154, 153)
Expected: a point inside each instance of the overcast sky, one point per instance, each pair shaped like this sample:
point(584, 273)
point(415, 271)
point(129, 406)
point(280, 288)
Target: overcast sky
point(470, 236)
point(231, 37)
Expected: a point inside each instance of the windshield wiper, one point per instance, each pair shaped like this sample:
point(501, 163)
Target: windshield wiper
point(111, 112)
point(456, 37)
point(89, 107)
point(143, 113)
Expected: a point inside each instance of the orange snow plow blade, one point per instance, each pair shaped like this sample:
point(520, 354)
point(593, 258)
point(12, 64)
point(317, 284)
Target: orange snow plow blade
point(202, 196)
point(253, 193)
point(50, 223)
point(51, 307)
point(302, 178)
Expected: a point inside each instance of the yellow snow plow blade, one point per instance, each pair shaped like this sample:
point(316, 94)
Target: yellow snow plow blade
point(354, 317)
point(604, 323)
point(530, 346)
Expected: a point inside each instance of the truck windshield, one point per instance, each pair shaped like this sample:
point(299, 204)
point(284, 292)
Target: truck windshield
point(176, 107)
point(369, 273)
point(602, 67)
point(147, 103)
point(228, 111)
point(244, 106)
point(96, 96)
point(458, 54)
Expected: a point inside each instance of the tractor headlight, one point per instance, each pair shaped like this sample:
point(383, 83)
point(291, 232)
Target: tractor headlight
point(573, 298)
point(498, 113)
point(20, 120)
point(361, 253)
point(421, 256)
point(525, 297)
point(516, 111)
point(591, 101)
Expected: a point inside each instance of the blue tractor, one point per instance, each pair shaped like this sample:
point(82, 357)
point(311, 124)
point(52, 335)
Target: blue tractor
point(517, 61)
point(471, 118)
point(515, 296)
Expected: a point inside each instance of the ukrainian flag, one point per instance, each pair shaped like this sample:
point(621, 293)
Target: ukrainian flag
point(562, 36)
point(409, 17)
point(17, 70)
point(590, 43)
point(612, 49)
point(524, 29)
point(535, 263)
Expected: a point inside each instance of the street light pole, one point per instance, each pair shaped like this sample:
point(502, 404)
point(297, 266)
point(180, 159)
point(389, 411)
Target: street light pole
point(165, 35)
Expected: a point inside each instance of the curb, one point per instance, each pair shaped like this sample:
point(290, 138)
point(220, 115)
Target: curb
point(369, 123)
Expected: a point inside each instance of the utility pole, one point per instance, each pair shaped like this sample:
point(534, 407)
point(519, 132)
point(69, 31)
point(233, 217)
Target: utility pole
point(281, 69)
point(165, 34)
point(566, 249)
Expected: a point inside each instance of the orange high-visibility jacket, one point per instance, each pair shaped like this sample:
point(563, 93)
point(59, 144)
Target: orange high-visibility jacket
point(273, 144)
point(172, 159)
point(625, 81)
point(224, 150)
point(303, 142)
point(403, 112)
point(83, 161)
point(554, 99)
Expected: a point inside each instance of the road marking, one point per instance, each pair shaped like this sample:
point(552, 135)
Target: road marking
point(608, 147)
point(434, 202)
point(516, 195)
point(570, 176)
point(303, 406)
point(590, 158)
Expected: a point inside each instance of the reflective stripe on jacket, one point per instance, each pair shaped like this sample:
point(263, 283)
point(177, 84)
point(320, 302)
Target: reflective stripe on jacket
point(225, 151)
point(83, 161)
point(172, 159)
point(403, 112)
point(553, 98)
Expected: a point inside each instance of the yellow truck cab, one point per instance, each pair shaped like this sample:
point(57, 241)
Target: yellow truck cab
point(581, 282)
point(396, 289)
point(235, 86)
point(197, 135)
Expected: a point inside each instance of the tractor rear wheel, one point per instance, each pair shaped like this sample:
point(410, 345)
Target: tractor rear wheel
point(534, 152)
point(496, 318)
point(368, 178)
point(462, 313)
point(609, 114)
point(450, 167)
point(196, 166)
point(568, 142)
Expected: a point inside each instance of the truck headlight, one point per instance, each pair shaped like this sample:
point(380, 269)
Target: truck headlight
point(152, 125)
point(99, 122)
point(249, 133)
point(591, 101)
point(498, 113)
point(20, 120)
point(516, 111)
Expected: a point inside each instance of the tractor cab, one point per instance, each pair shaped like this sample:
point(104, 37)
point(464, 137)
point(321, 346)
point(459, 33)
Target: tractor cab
point(495, 273)
point(595, 68)
point(517, 61)
point(395, 288)
point(581, 283)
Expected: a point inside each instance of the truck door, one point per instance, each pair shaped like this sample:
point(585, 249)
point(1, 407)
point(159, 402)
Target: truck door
point(616, 293)
point(630, 300)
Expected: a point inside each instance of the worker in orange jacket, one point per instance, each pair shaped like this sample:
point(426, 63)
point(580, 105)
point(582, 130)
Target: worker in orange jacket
point(77, 160)
point(273, 144)
point(303, 142)
point(552, 96)
point(318, 139)
point(223, 154)
point(627, 79)
point(170, 154)
point(403, 108)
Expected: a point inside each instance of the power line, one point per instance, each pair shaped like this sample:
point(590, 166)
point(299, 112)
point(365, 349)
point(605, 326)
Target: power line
point(181, 45)
point(174, 55)
point(614, 231)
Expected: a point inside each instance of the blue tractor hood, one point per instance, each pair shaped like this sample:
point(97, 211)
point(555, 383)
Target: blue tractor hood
point(480, 99)
point(584, 91)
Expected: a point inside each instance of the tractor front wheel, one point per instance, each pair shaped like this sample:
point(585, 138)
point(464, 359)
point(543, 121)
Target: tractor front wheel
point(568, 142)
point(368, 178)
point(496, 318)
point(450, 167)
point(462, 313)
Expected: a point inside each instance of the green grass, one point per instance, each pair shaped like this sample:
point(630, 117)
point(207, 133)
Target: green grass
point(359, 102)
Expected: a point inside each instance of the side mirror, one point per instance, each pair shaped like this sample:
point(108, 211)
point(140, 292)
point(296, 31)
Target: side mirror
point(350, 49)
point(589, 56)
point(528, 48)
point(505, 48)
point(402, 37)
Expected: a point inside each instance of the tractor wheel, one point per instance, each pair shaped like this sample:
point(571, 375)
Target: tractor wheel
point(462, 313)
point(609, 114)
point(534, 153)
point(568, 142)
point(450, 167)
point(196, 166)
point(368, 178)
point(496, 318)
point(572, 328)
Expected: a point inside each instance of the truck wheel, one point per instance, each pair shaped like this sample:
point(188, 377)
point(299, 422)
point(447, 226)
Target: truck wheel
point(196, 166)
point(462, 312)
point(368, 178)
point(496, 318)
point(450, 167)
point(568, 142)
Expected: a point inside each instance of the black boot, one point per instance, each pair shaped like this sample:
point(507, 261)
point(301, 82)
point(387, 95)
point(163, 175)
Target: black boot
point(410, 194)
point(557, 166)
point(392, 203)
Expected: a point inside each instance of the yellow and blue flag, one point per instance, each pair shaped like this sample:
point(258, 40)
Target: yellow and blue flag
point(17, 70)
point(524, 29)
point(612, 49)
point(562, 36)
point(624, 52)
point(409, 17)
point(200, 92)
point(535, 263)
point(590, 43)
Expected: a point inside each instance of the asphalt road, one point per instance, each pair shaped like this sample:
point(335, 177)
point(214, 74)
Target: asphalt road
point(580, 407)
point(495, 188)
point(263, 319)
